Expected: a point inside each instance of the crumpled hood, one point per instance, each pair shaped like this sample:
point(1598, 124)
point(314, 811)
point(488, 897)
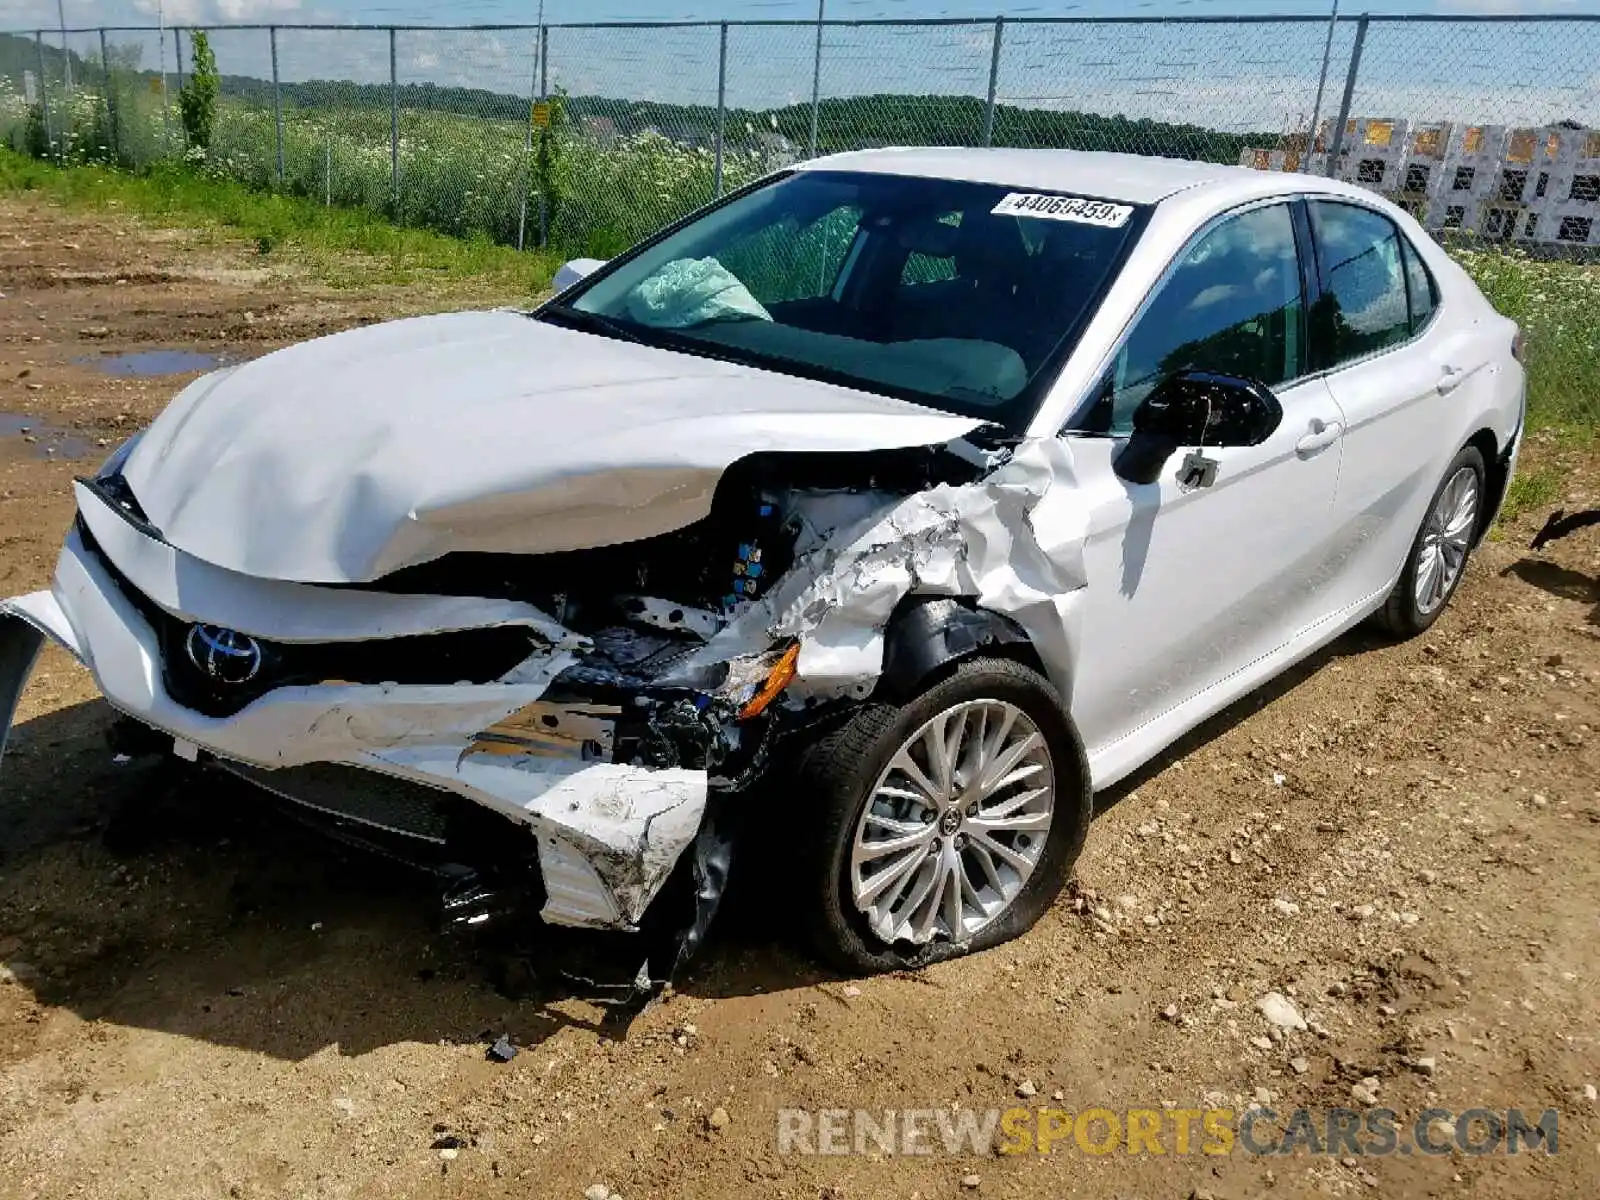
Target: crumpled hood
point(345, 458)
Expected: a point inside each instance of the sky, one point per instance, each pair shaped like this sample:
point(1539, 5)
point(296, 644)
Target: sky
point(28, 14)
point(1258, 77)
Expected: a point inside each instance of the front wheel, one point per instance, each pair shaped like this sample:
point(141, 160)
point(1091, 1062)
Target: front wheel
point(1439, 555)
point(948, 824)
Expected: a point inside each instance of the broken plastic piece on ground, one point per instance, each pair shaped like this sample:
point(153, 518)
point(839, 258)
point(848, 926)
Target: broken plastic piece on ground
point(502, 1050)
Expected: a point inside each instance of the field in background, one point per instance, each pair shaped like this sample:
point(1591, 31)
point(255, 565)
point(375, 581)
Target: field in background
point(1554, 301)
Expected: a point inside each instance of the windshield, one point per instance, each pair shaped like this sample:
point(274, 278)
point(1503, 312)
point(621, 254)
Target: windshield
point(961, 296)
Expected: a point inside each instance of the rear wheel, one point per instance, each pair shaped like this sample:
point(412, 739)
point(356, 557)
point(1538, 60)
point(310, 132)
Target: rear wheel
point(1439, 555)
point(948, 824)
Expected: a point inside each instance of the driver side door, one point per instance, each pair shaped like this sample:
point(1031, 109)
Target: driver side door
point(1192, 585)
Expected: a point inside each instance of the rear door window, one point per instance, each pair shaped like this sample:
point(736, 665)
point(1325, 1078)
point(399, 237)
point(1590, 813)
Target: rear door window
point(1364, 308)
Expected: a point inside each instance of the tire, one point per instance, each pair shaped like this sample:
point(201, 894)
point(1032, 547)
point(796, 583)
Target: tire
point(1405, 614)
point(841, 771)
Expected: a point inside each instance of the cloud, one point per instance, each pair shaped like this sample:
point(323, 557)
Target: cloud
point(220, 12)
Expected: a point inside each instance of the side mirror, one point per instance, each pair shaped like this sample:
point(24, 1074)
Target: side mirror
point(575, 272)
point(1196, 408)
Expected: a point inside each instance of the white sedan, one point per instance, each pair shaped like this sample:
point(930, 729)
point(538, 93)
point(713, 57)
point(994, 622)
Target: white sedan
point(920, 492)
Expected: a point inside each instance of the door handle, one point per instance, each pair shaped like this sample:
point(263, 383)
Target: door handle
point(1450, 380)
point(1323, 434)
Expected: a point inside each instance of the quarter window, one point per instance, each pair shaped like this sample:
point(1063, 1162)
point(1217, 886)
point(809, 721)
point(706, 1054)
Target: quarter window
point(1232, 305)
point(1424, 293)
point(1363, 308)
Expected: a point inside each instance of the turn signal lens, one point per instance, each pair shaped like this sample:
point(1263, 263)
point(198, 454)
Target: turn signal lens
point(781, 675)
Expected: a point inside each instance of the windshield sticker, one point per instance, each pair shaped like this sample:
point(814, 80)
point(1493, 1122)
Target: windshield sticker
point(1064, 208)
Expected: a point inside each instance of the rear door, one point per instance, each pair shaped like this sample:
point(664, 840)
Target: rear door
point(1394, 369)
point(1192, 584)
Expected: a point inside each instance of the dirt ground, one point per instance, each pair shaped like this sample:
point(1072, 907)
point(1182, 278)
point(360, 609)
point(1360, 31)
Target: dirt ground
point(1403, 840)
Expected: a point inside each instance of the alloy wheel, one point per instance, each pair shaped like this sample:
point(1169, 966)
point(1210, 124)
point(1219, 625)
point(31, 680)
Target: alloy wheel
point(954, 825)
point(1446, 541)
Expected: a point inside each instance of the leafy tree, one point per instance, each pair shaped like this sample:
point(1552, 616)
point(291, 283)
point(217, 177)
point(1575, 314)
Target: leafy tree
point(197, 102)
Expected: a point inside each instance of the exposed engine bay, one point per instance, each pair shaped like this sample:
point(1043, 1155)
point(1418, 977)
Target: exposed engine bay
point(646, 607)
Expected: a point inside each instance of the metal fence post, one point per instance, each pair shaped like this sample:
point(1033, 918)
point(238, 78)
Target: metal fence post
point(394, 123)
point(177, 54)
point(111, 107)
point(1337, 146)
point(1322, 86)
point(44, 93)
point(544, 94)
point(722, 99)
point(994, 80)
point(816, 79)
point(66, 51)
point(161, 64)
point(277, 100)
point(527, 146)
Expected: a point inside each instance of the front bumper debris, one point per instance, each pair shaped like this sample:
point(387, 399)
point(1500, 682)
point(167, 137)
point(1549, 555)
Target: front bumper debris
point(607, 834)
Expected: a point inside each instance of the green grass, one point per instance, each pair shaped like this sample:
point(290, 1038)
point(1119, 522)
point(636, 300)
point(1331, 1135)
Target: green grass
point(1556, 304)
point(320, 236)
point(1532, 489)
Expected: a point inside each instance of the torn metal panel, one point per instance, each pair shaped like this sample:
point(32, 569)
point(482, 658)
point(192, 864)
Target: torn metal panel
point(631, 824)
point(345, 458)
point(583, 733)
point(1011, 542)
point(671, 616)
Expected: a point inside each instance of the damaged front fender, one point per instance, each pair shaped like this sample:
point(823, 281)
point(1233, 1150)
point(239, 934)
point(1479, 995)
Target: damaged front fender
point(1010, 543)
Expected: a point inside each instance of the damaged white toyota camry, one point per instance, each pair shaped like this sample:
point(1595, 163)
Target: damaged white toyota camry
point(932, 489)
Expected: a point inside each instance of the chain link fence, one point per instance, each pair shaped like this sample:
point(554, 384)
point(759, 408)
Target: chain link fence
point(585, 137)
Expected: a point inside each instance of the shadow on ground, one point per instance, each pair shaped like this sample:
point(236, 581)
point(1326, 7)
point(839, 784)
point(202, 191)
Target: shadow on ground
point(190, 909)
point(1561, 582)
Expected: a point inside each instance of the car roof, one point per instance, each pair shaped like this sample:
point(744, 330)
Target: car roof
point(1129, 178)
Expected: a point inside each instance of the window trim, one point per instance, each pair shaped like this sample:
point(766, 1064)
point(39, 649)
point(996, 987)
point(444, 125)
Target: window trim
point(1409, 254)
point(1086, 402)
point(1326, 369)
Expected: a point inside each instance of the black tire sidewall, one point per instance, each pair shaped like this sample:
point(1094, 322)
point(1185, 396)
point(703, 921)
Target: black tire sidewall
point(855, 757)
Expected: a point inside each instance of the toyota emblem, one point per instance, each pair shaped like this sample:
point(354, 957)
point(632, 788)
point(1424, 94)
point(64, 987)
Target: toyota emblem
point(224, 655)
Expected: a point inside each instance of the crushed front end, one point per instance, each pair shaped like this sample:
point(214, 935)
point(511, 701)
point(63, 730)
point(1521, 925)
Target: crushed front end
point(572, 716)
